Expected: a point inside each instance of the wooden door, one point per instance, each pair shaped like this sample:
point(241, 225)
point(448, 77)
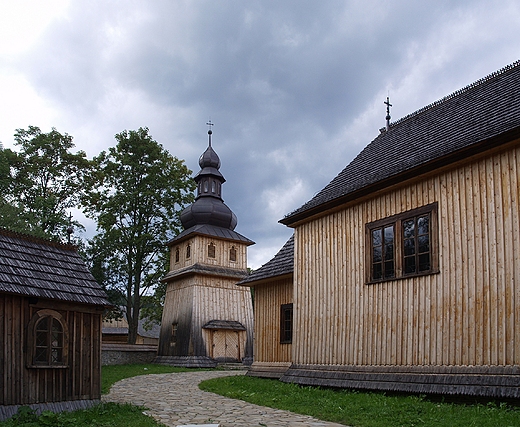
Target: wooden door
point(225, 345)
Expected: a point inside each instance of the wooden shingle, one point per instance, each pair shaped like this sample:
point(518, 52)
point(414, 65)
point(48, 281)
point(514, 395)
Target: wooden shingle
point(39, 268)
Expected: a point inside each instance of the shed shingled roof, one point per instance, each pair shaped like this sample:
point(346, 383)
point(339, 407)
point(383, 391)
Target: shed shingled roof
point(40, 268)
point(281, 264)
point(471, 116)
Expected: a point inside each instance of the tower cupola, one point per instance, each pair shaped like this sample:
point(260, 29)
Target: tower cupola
point(209, 208)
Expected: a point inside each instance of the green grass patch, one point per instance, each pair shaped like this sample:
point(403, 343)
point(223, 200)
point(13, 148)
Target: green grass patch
point(102, 415)
point(363, 409)
point(113, 373)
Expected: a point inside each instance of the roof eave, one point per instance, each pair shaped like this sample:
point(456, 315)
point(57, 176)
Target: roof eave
point(176, 241)
point(198, 269)
point(266, 280)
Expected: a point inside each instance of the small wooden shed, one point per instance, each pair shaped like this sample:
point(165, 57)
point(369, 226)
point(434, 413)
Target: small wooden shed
point(50, 324)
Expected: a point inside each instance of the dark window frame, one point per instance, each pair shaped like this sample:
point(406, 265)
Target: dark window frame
point(212, 250)
point(286, 323)
point(401, 256)
point(233, 254)
point(47, 340)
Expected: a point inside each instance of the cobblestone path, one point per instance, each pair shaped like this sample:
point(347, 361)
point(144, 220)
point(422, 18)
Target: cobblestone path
point(175, 399)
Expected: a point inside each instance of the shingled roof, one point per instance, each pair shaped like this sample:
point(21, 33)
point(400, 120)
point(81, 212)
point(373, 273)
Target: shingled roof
point(210, 230)
point(475, 118)
point(282, 264)
point(40, 268)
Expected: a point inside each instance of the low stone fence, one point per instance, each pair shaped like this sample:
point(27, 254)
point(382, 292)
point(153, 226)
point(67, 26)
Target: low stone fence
point(123, 354)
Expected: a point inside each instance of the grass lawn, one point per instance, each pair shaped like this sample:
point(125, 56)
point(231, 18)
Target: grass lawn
point(114, 373)
point(363, 409)
point(102, 415)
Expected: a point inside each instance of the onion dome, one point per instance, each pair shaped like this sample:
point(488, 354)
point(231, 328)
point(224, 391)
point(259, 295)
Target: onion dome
point(209, 208)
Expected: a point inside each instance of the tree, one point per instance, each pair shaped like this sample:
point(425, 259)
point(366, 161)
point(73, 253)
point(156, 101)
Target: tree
point(136, 196)
point(41, 182)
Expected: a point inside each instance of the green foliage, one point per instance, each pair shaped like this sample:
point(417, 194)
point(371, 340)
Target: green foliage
point(362, 409)
point(40, 182)
point(136, 195)
point(113, 373)
point(102, 415)
point(152, 306)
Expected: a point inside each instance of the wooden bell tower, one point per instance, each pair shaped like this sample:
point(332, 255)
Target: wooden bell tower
point(207, 318)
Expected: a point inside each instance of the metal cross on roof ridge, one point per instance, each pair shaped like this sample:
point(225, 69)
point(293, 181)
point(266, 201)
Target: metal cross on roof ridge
point(388, 105)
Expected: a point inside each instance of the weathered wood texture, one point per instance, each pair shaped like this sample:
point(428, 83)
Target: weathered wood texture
point(268, 300)
point(490, 381)
point(199, 253)
point(193, 301)
point(467, 314)
point(81, 380)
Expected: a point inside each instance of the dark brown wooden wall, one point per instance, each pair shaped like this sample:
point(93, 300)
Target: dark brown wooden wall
point(22, 385)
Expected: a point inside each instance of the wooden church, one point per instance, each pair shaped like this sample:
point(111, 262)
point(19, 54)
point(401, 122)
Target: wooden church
point(207, 319)
point(403, 273)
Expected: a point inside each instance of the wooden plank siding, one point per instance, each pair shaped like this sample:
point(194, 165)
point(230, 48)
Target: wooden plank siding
point(467, 314)
point(81, 380)
point(199, 253)
point(268, 301)
point(193, 301)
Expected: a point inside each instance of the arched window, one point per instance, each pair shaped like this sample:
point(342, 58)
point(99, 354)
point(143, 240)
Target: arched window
point(188, 251)
point(47, 340)
point(177, 254)
point(232, 254)
point(211, 250)
point(213, 186)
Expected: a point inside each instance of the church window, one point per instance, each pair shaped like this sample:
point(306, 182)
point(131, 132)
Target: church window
point(47, 340)
point(188, 252)
point(205, 186)
point(403, 245)
point(177, 254)
point(233, 254)
point(213, 186)
point(211, 250)
point(286, 323)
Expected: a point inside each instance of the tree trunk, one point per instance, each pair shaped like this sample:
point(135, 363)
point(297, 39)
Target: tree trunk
point(133, 323)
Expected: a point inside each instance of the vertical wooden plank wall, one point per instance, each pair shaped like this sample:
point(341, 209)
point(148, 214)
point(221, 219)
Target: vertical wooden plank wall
point(199, 253)
point(268, 300)
point(468, 314)
point(22, 385)
point(192, 302)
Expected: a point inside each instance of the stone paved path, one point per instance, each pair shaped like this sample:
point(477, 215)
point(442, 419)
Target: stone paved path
point(175, 399)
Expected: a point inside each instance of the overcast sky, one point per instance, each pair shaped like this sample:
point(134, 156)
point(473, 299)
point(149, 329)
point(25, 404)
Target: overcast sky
point(295, 88)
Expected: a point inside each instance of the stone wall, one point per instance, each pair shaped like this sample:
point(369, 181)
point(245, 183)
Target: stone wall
point(123, 354)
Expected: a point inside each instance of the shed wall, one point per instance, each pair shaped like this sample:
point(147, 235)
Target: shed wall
point(81, 380)
point(467, 314)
